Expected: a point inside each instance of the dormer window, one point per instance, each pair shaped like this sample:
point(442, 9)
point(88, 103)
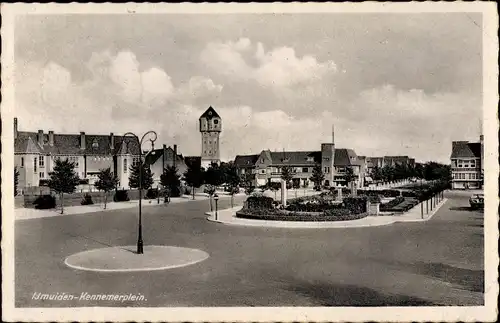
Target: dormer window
point(95, 144)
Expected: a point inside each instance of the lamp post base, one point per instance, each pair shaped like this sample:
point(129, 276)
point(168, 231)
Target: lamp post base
point(140, 249)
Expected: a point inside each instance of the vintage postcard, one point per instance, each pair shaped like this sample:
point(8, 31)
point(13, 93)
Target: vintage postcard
point(249, 162)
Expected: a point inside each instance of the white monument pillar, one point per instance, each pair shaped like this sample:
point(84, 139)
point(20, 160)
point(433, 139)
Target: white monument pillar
point(283, 193)
point(339, 194)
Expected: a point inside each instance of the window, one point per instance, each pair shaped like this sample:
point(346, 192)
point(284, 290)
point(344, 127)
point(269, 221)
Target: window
point(42, 175)
point(125, 165)
point(34, 164)
point(305, 170)
point(22, 161)
point(473, 163)
point(74, 160)
point(216, 121)
point(327, 169)
point(135, 161)
point(41, 161)
point(263, 171)
point(460, 163)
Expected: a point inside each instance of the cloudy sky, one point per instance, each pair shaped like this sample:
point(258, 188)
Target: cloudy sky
point(393, 84)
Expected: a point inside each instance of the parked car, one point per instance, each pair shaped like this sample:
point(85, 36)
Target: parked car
point(477, 201)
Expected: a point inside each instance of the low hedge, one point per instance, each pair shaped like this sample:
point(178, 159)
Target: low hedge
point(152, 193)
point(259, 202)
point(44, 202)
point(87, 200)
point(389, 205)
point(297, 216)
point(355, 204)
point(121, 196)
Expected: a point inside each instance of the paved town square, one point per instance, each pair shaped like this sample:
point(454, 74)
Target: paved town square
point(438, 262)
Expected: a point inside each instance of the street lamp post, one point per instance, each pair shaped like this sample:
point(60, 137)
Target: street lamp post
point(140, 243)
point(216, 198)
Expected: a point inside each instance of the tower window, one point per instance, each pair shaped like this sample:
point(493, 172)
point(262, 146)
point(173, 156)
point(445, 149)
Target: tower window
point(22, 161)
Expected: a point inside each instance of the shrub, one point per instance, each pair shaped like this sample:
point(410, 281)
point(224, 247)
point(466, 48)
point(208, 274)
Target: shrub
point(186, 190)
point(121, 196)
point(175, 191)
point(43, 182)
point(337, 212)
point(391, 204)
point(409, 194)
point(373, 198)
point(391, 193)
point(355, 204)
point(87, 200)
point(260, 202)
point(152, 193)
point(45, 202)
point(278, 215)
point(249, 190)
point(84, 181)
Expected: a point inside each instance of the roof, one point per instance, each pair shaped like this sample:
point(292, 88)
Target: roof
point(192, 161)
point(210, 113)
point(465, 149)
point(245, 160)
point(295, 158)
point(343, 157)
point(156, 154)
point(69, 144)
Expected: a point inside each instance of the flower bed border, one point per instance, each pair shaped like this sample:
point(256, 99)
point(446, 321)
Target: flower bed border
point(301, 217)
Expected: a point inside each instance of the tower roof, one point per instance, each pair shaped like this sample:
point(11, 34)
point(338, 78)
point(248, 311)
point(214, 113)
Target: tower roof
point(210, 113)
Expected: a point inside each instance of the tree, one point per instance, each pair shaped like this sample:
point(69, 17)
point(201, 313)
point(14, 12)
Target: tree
point(286, 175)
point(388, 173)
point(248, 179)
point(317, 177)
point(171, 181)
point(147, 176)
point(16, 180)
point(350, 177)
point(213, 177)
point(106, 182)
point(233, 180)
point(193, 177)
point(63, 179)
point(377, 174)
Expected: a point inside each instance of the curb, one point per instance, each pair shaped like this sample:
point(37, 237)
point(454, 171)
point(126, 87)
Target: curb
point(430, 215)
point(308, 225)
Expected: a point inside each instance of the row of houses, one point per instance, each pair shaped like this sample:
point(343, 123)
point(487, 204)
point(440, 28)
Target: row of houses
point(267, 166)
point(467, 164)
point(35, 154)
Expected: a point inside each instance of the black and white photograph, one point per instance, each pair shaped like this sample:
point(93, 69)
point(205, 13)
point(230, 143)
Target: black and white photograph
point(250, 162)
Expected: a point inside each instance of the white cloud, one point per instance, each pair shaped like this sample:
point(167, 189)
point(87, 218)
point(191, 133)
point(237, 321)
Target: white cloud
point(119, 97)
point(279, 67)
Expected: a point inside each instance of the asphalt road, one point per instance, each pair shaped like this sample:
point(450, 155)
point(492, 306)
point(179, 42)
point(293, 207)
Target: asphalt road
point(439, 262)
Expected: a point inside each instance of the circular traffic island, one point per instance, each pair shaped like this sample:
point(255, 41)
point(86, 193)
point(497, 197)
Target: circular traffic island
point(125, 258)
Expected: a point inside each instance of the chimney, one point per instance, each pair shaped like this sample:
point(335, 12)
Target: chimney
point(164, 156)
point(15, 128)
point(82, 140)
point(40, 138)
point(112, 141)
point(51, 138)
point(175, 155)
